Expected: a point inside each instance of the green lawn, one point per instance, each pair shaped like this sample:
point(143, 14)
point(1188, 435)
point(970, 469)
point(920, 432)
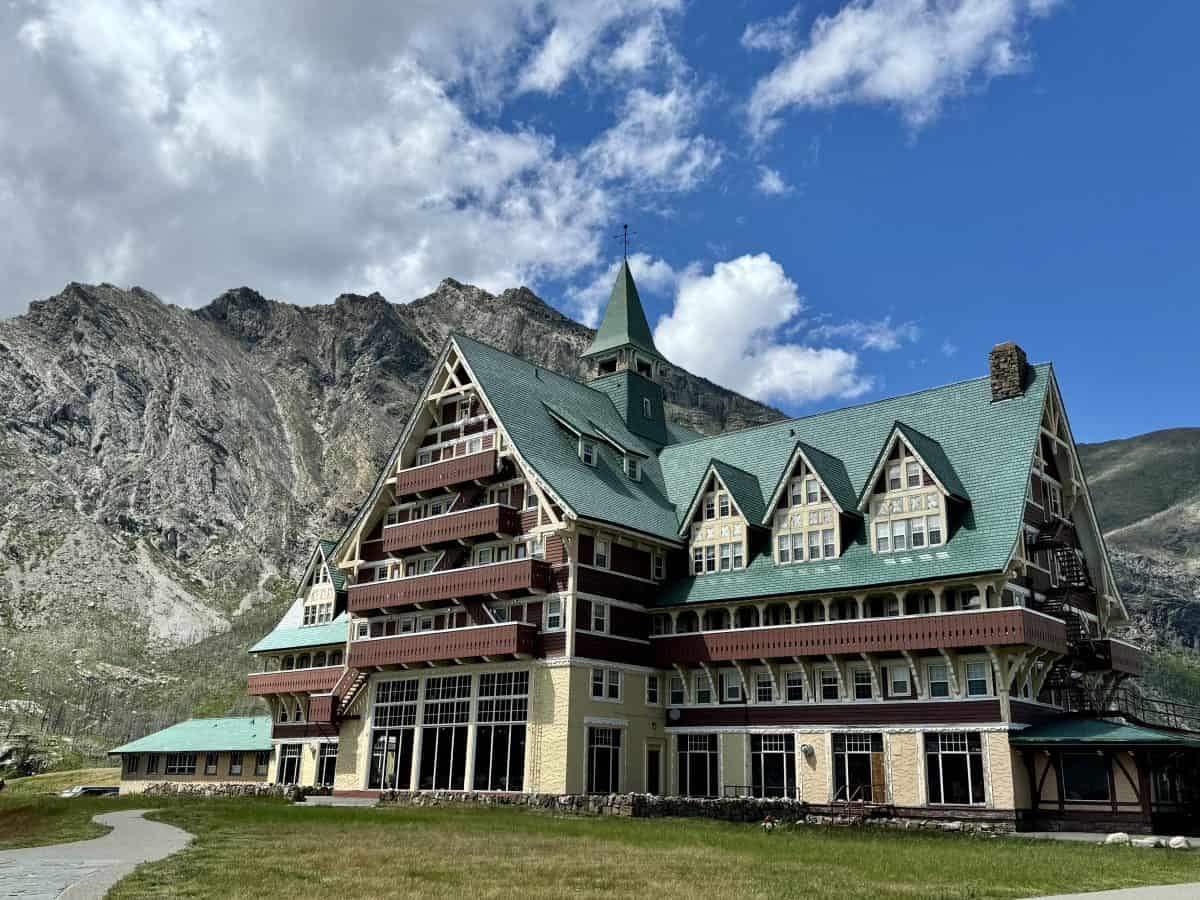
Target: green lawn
point(260, 848)
point(53, 782)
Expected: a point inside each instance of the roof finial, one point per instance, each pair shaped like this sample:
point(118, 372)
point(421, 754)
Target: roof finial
point(624, 236)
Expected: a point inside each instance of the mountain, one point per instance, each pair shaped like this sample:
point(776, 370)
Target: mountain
point(1147, 495)
point(167, 470)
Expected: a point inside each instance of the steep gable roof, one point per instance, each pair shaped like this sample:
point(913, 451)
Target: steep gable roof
point(742, 486)
point(989, 446)
point(829, 471)
point(624, 322)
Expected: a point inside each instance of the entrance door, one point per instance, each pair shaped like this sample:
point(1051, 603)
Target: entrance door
point(653, 769)
point(326, 764)
point(289, 764)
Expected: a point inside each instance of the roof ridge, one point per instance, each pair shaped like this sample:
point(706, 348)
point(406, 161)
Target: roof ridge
point(837, 409)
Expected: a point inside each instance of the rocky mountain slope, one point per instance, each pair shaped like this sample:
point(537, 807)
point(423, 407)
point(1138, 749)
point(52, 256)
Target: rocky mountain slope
point(166, 471)
point(1147, 494)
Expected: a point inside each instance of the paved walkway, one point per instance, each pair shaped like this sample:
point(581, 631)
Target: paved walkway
point(1161, 892)
point(84, 870)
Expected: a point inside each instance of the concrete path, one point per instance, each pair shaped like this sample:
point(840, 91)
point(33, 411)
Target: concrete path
point(84, 870)
point(339, 801)
point(1161, 892)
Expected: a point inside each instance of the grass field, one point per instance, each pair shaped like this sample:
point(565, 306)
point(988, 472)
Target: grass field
point(263, 848)
point(53, 782)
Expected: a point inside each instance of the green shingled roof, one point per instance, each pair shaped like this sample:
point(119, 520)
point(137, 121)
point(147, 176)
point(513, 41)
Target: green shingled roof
point(205, 735)
point(627, 389)
point(285, 637)
point(989, 446)
point(336, 576)
point(933, 454)
point(745, 490)
point(830, 470)
point(1101, 732)
point(624, 322)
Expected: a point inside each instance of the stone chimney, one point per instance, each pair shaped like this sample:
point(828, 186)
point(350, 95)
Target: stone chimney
point(1007, 365)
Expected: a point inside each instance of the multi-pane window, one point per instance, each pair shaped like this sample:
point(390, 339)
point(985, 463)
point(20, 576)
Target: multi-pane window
point(262, 759)
point(447, 700)
point(698, 765)
point(599, 616)
point(235, 763)
point(731, 556)
point(783, 551)
point(318, 613)
point(893, 477)
point(210, 764)
point(396, 703)
point(704, 688)
point(710, 507)
point(660, 566)
point(606, 684)
point(131, 763)
point(764, 690)
point(827, 543)
point(795, 686)
point(633, 467)
point(722, 505)
point(326, 764)
point(554, 615)
point(862, 685)
point(600, 553)
point(502, 710)
point(898, 676)
point(977, 680)
point(392, 741)
point(652, 690)
point(732, 688)
point(603, 760)
point(829, 685)
point(444, 718)
point(677, 692)
point(814, 545)
point(812, 493)
point(587, 452)
point(912, 473)
point(152, 764)
point(181, 763)
point(773, 765)
point(954, 768)
point(938, 676)
point(859, 774)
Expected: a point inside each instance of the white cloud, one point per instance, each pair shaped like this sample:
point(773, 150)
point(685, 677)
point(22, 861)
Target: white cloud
point(771, 182)
point(728, 326)
point(653, 143)
point(308, 150)
point(907, 54)
point(777, 34)
point(651, 275)
point(882, 334)
point(949, 348)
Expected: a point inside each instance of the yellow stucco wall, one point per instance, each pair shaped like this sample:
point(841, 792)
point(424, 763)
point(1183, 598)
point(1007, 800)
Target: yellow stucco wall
point(906, 768)
point(354, 755)
point(547, 745)
point(815, 772)
point(1002, 770)
point(734, 766)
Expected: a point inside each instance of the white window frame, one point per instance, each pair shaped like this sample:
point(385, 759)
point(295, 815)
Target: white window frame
point(793, 678)
point(600, 617)
point(822, 683)
point(653, 690)
point(703, 685)
point(674, 681)
point(553, 615)
point(587, 452)
point(601, 553)
point(633, 468)
point(986, 677)
point(731, 682)
point(930, 680)
point(659, 570)
point(896, 675)
point(857, 680)
point(763, 680)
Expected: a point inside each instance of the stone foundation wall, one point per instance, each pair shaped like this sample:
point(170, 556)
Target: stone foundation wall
point(739, 809)
point(230, 789)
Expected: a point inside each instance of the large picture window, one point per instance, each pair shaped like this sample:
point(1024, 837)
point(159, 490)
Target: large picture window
point(603, 760)
point(954, 768)
point(444, 733)
point(181, 763)
point(326, 764)
point(698, 765)
point(502, 709)
point(289, 764)
point(858, 769)
point(392, 740)
point(773, 765)
point(1085, 777)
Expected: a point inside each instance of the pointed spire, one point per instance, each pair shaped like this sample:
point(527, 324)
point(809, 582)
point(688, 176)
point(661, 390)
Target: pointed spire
point(624, 323)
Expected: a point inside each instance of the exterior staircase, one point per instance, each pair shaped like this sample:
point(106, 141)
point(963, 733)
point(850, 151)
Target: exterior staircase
point(348, 688)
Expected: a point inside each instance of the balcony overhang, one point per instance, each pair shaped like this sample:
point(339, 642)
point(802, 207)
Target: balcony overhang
point(297, 681)
point(994, 627)
point(446, 473)
point(455, 526)
point(494, 578)
point(518, 639)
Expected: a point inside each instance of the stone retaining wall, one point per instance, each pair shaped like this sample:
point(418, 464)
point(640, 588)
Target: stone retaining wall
point(231, 789)
point(740, 809)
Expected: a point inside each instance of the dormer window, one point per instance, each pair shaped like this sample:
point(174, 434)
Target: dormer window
point(464, 409)
point(634, 468)
point(812, 493)
point(646, 411)
point(587, 452)
point(710, 507)
point(893, 477)
point(722, 505)
point(912, 473)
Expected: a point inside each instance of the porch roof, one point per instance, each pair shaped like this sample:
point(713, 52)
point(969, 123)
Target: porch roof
point(1101, 732)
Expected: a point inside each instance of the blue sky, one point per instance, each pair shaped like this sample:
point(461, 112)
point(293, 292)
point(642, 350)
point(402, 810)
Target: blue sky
point(833, 202)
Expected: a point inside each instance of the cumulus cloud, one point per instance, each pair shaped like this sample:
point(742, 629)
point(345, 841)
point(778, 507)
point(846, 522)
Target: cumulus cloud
point(771, 182)
point(730, 326)
point(308, 149)
point(882, 334)
point(907, 54)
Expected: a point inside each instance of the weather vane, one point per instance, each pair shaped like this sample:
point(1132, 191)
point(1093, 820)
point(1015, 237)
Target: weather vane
point(624, 236)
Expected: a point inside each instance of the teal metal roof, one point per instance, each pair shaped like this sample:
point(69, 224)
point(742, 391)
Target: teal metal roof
point(989, 447)
point(205, 735)
point(624, 322)
point(296, 637)
point(1100, 732)
point(604, 491)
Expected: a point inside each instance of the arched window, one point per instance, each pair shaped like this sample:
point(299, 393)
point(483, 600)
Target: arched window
point(335, 658)
point(302, 662)
point(288, 663)
point(319, 658)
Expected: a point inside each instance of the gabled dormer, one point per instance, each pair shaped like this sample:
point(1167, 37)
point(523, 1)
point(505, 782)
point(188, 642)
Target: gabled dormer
point(812, 509)
point(322, 586)
point(908, 492)
point(727, 504)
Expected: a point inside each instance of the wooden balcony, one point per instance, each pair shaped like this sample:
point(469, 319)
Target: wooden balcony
point(491, 641)
point(1120, 656)
point(298, 681)
point(455, 526)
point(926, 632)
point(473, 581)
point(321, 708)
point(448, 472)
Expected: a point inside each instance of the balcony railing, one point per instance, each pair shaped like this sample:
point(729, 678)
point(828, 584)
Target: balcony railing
point(454, 526)
point(493, 578)
point(924, 632)
point(297, 681)
point(445, 473)
point(509, 638)
point(321, 708)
